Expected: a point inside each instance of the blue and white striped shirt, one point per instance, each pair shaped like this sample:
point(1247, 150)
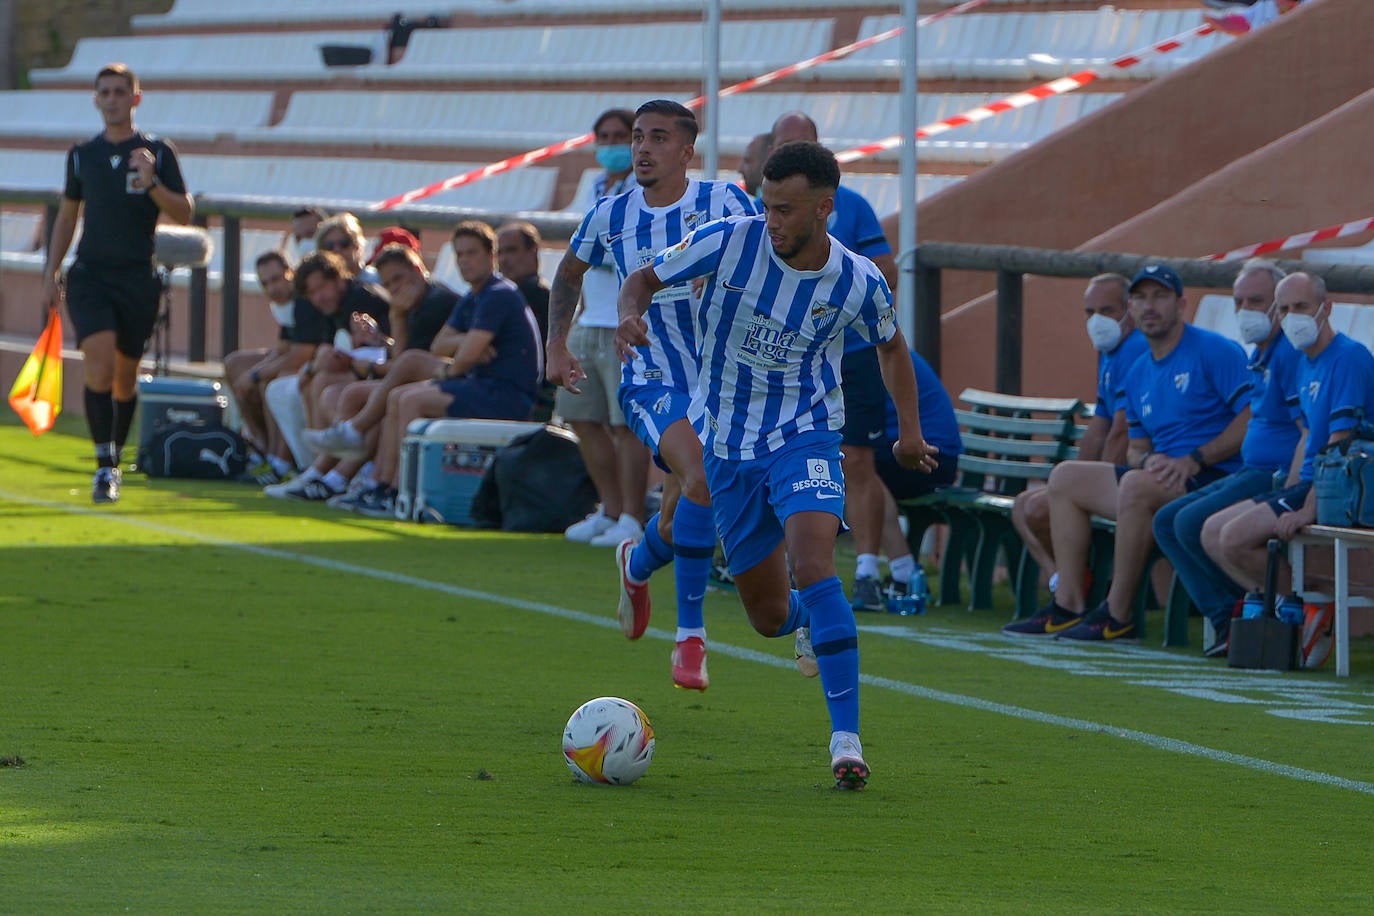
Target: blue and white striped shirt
point(628, 232)
point(772, 336)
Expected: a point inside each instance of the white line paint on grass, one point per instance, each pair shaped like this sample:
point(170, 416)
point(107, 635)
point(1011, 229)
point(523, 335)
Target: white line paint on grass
point(1158, 742)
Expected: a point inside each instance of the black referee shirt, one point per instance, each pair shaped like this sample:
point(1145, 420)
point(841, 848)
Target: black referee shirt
point(119, 220)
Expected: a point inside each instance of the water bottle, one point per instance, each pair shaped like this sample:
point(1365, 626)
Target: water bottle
point(1253, 606)
point(1291, 610)
point(918, 585)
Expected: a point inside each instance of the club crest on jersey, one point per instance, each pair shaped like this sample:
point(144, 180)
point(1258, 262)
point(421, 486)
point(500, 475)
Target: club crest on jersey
point(1314, 388)
point(692, 219)
point(822, 313)
point(766, 343)
point(115, 160)
point(1181, 382)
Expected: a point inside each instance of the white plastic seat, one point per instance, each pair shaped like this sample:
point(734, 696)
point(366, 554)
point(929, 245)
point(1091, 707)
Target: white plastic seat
point(70, 114)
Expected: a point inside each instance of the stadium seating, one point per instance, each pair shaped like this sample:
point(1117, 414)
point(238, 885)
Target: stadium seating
point(1358, 254)
point(1028, 46)
point(567, 53)
point(1218, 313)
point(33, 170)
point(63, 114)
point(18, 230)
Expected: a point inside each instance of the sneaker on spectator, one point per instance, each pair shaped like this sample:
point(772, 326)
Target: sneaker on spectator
point(262, 473)
point(1098, 626)
point(378, 502)
point(283, 490)
point(806, 656)
point(338, 439)
point(312, 491)
point(634, 607)
point(1050, 620)
point(105, 485)
point(626, 528)
point(588, 528)
point(689, 664)
point(868, 594)
point(847, 762)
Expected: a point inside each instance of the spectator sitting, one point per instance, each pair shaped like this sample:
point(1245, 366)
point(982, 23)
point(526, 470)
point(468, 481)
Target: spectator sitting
point(1119, 344)
point(494, 373)
point(1187, 406)
point(1271, 447)
point(1237, 19)
point(517, 257)
point(343, 235)
point(299, 240)
point(940, 428)
point(1336, 388)
point(248, 372)
point(338, 296)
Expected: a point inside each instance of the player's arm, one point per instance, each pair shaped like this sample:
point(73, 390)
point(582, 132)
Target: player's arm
point(560, 366)
point(177, 206)
point(1093, 443)
point(894, 362)
point(472, 352)
point(63, 231)
point(887, 266)
point(636, 295)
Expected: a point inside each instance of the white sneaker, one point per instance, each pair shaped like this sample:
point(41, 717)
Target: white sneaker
point(338, 439)
point(588, 528)
point(806, 656)
point(289, 489)
point(627, 528)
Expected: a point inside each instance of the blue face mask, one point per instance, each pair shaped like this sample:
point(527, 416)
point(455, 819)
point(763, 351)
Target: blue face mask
point(614, 158)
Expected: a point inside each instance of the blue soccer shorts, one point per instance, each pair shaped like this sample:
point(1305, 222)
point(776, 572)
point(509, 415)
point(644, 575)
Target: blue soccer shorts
point(752, 500)
point(649, 411)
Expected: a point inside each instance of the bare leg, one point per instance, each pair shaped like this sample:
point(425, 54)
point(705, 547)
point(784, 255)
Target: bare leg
point(600, 456)
point(1078, 491)
point(1139, 495)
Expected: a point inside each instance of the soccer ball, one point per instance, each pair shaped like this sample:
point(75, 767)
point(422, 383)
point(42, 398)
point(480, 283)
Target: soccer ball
point(608, 740)
point(1318, 633)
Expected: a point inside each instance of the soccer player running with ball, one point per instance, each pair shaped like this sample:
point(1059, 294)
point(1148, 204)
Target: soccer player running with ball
point(661, 372)
point(778, 295)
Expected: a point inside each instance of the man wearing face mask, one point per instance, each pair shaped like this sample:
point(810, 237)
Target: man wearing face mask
point(1270, 447)
point(1187, 406)
point(1118, 345)
point(1335, 387)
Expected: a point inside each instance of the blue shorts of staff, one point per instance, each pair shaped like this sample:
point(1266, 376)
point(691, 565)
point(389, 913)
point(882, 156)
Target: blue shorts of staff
point(1178, 532)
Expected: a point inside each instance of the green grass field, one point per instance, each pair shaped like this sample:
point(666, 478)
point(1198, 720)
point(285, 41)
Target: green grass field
point(213, 701)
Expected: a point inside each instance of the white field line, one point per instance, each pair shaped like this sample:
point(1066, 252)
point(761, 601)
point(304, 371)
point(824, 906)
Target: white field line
point(1158, 742)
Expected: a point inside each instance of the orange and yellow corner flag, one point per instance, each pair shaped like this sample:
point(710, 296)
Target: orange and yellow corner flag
point(37, 392)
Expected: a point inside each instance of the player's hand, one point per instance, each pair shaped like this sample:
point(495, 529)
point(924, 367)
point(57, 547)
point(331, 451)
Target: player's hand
point(915, 456)
point(562, 368)
point(1172, 473)
point(51, 297)
point(141, 161)
point(632, 332)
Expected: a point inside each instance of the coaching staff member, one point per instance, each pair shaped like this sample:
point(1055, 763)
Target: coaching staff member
point(126, 179)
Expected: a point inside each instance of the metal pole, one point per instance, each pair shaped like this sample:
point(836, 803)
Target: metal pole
point(926, 288)
point(711, 90)
point(197, 304)
point(1009, 330)
point(906, 217)
point(231, 270)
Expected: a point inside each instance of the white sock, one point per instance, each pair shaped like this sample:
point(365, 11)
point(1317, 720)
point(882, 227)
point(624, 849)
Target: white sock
point(336, 481)
point(351, 431)
point(866, 566)
point(1054, 583)
point(689, 632)
point(280, 465)
point(311, 474)
point(902, 568)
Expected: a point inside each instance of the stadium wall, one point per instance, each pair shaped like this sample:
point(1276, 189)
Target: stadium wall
point(1077, 186)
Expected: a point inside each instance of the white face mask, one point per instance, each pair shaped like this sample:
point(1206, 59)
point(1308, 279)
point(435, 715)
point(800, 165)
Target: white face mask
point(1301, 330)
point(284, 314)
point(1254, 326)
point(1104, 333)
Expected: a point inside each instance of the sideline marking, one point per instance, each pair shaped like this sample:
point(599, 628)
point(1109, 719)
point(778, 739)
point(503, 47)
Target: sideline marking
point(1158, 742)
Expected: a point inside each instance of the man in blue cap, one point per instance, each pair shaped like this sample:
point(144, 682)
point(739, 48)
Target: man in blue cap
point(1187, 405)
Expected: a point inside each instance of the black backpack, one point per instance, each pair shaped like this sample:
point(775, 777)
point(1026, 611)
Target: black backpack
point(536, 483)
point(195, 450)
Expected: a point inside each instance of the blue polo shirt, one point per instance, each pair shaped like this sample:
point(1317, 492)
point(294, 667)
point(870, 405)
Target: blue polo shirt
point(499, 308)
point(1335, 390)
point(1186, 399)
point(1273, 433)
point(939, 426)
point(1111, 373)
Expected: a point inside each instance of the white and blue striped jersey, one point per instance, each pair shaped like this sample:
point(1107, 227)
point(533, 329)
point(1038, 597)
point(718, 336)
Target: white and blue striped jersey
point(772, 337)
point(626, 231)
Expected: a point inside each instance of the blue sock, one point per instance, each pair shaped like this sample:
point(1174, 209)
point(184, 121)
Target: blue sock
point(835, 639)
point(651, 554)
point(694, 547)
point(797, 614)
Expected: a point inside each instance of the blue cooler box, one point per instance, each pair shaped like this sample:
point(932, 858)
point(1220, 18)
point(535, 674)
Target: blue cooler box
point(166, 401)
point(442, 463)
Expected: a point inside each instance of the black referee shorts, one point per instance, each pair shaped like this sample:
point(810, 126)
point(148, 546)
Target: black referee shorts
point(119, 299)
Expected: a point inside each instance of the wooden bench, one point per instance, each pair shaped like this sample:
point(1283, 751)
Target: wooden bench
point(1008, 441)
point(1342, 541)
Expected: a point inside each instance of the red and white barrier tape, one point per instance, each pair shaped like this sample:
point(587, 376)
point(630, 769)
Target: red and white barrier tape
point(1022, 99)
point(1299, 240)
point(567, 146)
